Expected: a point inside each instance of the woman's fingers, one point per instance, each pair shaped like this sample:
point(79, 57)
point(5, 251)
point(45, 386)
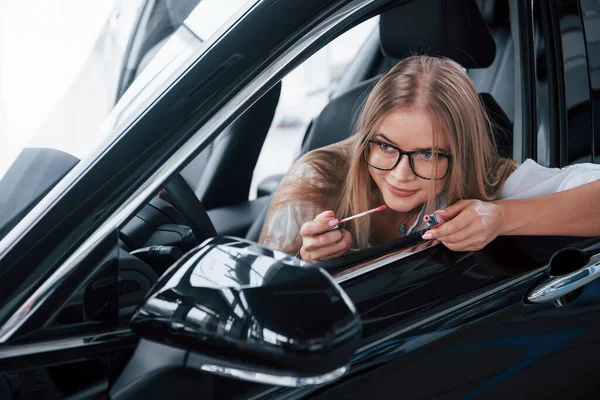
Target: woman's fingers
point(318, 246)
point(473, 228)
point(329, 245)
point(333, 250)
point(450, 227)
point(470, 244)
point(311, 243)
point(455, 209)
point(460, 234)
point(322, 222)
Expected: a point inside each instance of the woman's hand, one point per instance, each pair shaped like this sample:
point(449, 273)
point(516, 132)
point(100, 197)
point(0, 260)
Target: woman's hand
point(472, 225)
point(328, 245)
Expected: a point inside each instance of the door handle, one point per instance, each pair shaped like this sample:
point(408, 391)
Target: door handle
point(557, 287)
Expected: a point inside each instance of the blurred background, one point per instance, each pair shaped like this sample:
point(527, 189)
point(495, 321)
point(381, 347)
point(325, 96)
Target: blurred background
point(43, 46)
point(65, 64)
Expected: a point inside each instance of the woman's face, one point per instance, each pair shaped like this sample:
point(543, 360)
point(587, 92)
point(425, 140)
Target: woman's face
point(408, 130)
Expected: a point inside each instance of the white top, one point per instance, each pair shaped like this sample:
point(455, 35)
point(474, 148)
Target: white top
point(531, 179)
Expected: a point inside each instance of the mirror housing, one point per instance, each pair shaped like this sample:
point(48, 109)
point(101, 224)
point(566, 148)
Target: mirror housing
point(252, 313)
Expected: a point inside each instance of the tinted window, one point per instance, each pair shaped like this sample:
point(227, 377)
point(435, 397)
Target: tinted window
point(590, 10)
point(546, 131)
point(576, 84)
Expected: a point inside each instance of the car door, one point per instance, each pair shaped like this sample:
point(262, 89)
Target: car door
point(451, 325)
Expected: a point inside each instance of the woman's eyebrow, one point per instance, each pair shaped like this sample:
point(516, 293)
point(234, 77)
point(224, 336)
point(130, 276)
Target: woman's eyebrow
point(442, 151)
point(381, 135)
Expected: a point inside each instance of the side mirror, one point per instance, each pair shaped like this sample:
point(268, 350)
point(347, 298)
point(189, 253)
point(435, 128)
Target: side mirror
point(244, 311)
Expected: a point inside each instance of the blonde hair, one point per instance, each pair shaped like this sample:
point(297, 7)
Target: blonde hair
point(440, 88)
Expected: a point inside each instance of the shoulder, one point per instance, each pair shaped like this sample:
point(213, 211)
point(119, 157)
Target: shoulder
point(532, 179)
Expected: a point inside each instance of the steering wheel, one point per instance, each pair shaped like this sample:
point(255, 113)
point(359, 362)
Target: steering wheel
point(185, 200)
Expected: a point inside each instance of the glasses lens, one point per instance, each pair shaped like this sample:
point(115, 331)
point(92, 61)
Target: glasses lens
point(382, 156)
point(429, 165)
point(425, 164)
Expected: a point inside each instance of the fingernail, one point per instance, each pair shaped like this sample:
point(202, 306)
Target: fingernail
point(333, 222)
point(329, 213)
point(440, 211)
point(427, 236)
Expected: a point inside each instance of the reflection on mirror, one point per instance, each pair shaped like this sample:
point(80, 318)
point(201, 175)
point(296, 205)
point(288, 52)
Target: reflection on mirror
point(252, 313)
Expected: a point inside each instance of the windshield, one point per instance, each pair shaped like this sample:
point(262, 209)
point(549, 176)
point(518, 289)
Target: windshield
point(73, 75)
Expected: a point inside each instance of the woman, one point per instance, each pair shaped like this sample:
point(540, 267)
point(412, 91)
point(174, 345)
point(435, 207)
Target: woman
point(422, 144)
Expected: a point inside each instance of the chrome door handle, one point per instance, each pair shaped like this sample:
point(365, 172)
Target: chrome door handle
point(555, 288)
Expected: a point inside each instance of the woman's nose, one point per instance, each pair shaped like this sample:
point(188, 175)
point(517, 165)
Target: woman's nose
point(402, 171)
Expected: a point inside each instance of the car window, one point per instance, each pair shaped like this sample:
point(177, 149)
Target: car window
point(42, 149)
point(576, 76)
point(590, 11)
point(304, 93)
point(545, 139)
point(79, 47)
point(49, 114)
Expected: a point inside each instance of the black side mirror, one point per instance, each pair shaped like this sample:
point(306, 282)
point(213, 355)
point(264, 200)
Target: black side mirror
point(245, 311)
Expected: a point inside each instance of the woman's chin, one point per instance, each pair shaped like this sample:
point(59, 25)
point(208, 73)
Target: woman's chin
point(401, 205)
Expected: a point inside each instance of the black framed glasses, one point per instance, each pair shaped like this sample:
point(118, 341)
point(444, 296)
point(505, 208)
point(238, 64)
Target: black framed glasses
point(425, 164)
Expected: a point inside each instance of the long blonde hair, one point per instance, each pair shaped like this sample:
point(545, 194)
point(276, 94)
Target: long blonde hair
point(440, 88)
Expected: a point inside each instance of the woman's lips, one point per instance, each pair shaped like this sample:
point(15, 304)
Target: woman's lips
point(400, 192)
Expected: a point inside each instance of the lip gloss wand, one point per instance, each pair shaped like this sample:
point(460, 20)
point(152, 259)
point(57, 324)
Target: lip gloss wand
point(362, 214)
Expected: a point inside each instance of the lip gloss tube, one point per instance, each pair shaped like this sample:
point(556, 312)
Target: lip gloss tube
point(362, 214)
point(432, 220)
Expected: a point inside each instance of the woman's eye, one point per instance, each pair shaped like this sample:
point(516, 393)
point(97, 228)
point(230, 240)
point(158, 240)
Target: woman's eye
point(385, 147)
point(425, 155)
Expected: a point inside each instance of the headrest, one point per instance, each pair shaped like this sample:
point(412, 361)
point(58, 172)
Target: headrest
point(336, 122)
point(333, 124)
point(448, 28)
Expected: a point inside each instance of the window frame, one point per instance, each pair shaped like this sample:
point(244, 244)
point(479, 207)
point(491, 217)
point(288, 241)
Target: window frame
point(561, 108)
point(525, 90)
point(594, 80)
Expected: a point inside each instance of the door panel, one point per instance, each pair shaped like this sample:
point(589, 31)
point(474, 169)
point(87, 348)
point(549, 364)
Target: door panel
point(440, 324)
point(484, 340)
point(54, 369)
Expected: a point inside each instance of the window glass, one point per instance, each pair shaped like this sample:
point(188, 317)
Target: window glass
point(102, 301)
point(542, 89)
point(304, 93)
point(576, 82)
point(590, 10)
point(103, 63)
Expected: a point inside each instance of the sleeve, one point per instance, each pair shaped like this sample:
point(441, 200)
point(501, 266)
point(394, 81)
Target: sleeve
point(531, 179)
point(289, 209)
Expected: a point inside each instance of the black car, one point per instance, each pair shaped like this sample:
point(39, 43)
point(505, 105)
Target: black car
point(116, 282)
